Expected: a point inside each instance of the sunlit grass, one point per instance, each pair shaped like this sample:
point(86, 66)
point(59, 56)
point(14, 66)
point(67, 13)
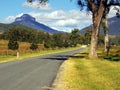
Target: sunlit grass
point(5, 58)
point(84, 74)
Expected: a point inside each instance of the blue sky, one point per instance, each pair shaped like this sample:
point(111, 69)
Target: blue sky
point(59, 14)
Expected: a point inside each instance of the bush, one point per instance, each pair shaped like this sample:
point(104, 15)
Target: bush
point(115, 58)
point(112, 58)
point(34, 46)
point(13, 44)
point(107, 57)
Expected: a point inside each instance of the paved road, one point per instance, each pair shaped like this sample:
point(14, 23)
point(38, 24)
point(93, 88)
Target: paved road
point(32, 73)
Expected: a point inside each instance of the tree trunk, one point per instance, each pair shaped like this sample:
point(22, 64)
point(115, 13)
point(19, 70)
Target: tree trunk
point(94, 41)
point(106, 35)
point(97, 16)
point(106, 41)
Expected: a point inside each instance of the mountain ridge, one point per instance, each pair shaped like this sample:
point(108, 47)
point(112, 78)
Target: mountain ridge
point(31, 22)
point(114, 27)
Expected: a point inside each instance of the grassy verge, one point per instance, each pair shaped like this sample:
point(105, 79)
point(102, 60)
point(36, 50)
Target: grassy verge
point(6, 58)
point(79, 73)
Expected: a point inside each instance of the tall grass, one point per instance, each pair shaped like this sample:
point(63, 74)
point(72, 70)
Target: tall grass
point(5, 58)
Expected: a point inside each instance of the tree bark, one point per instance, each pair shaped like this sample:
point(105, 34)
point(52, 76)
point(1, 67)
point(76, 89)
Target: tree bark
point(94, 39)
point(97, 17)
point(106, 35)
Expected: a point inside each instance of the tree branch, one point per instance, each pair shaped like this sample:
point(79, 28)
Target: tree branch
point(92, 5)
point(113, 4)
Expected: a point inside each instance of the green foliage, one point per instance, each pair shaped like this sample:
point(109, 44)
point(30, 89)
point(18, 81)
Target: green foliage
point(48, 42)
point(41, 36)
point(74, 37)
point(115, 40)
point(101, 39)
point(13, 38)
point(20, 33)
point(58, 40)
point(116, 58)
point(107, 57)
point(23, 34)
point(13, 44)
point(34, 46)
point(112, 57)
point(88, 36)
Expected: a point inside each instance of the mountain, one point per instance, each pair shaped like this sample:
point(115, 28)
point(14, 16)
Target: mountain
point(114, 27)
point(31, 22)
point(6, 27)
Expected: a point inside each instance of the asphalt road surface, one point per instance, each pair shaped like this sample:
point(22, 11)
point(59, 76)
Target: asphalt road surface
point(35, 73)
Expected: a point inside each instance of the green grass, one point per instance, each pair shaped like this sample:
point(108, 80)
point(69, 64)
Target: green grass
point(83, 74)
point(97, 74)
point(6, 58)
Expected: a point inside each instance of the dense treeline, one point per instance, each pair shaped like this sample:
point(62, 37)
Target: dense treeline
point(23, 34)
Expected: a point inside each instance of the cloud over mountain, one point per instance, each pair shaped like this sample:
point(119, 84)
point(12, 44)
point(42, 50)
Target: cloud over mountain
point(59, 19)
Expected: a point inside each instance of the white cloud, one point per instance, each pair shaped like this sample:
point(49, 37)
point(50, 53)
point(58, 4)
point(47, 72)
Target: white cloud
point(10, 19)
point(19, 15)
point(113, 11)
point(57, 15)
point(67, 23)
point(59, 19)
point(37, 5)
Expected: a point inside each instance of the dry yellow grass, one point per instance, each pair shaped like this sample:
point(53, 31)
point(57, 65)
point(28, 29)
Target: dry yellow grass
point(83, 74)
point(23, 48)
point(25, 52)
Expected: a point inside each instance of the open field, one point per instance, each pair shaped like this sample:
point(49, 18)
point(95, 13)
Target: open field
point(80, 73)
point(25, 52)
point(23, 48)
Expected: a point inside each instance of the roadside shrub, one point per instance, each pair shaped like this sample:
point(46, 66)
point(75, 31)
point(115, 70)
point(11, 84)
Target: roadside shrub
point(112, 57)
point(34, 46)
point(107, 57)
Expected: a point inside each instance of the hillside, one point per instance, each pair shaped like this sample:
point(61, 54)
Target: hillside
point(5, 27)
point(27, 21)
point(114, 27)
point(31, 22)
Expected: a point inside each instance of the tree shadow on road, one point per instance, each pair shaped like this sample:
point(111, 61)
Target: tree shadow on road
point(58, 57)
point(66, 57)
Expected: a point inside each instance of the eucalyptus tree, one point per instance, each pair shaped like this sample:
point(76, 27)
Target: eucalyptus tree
point(97, 8)
point(106, 29)
point(105, 26)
